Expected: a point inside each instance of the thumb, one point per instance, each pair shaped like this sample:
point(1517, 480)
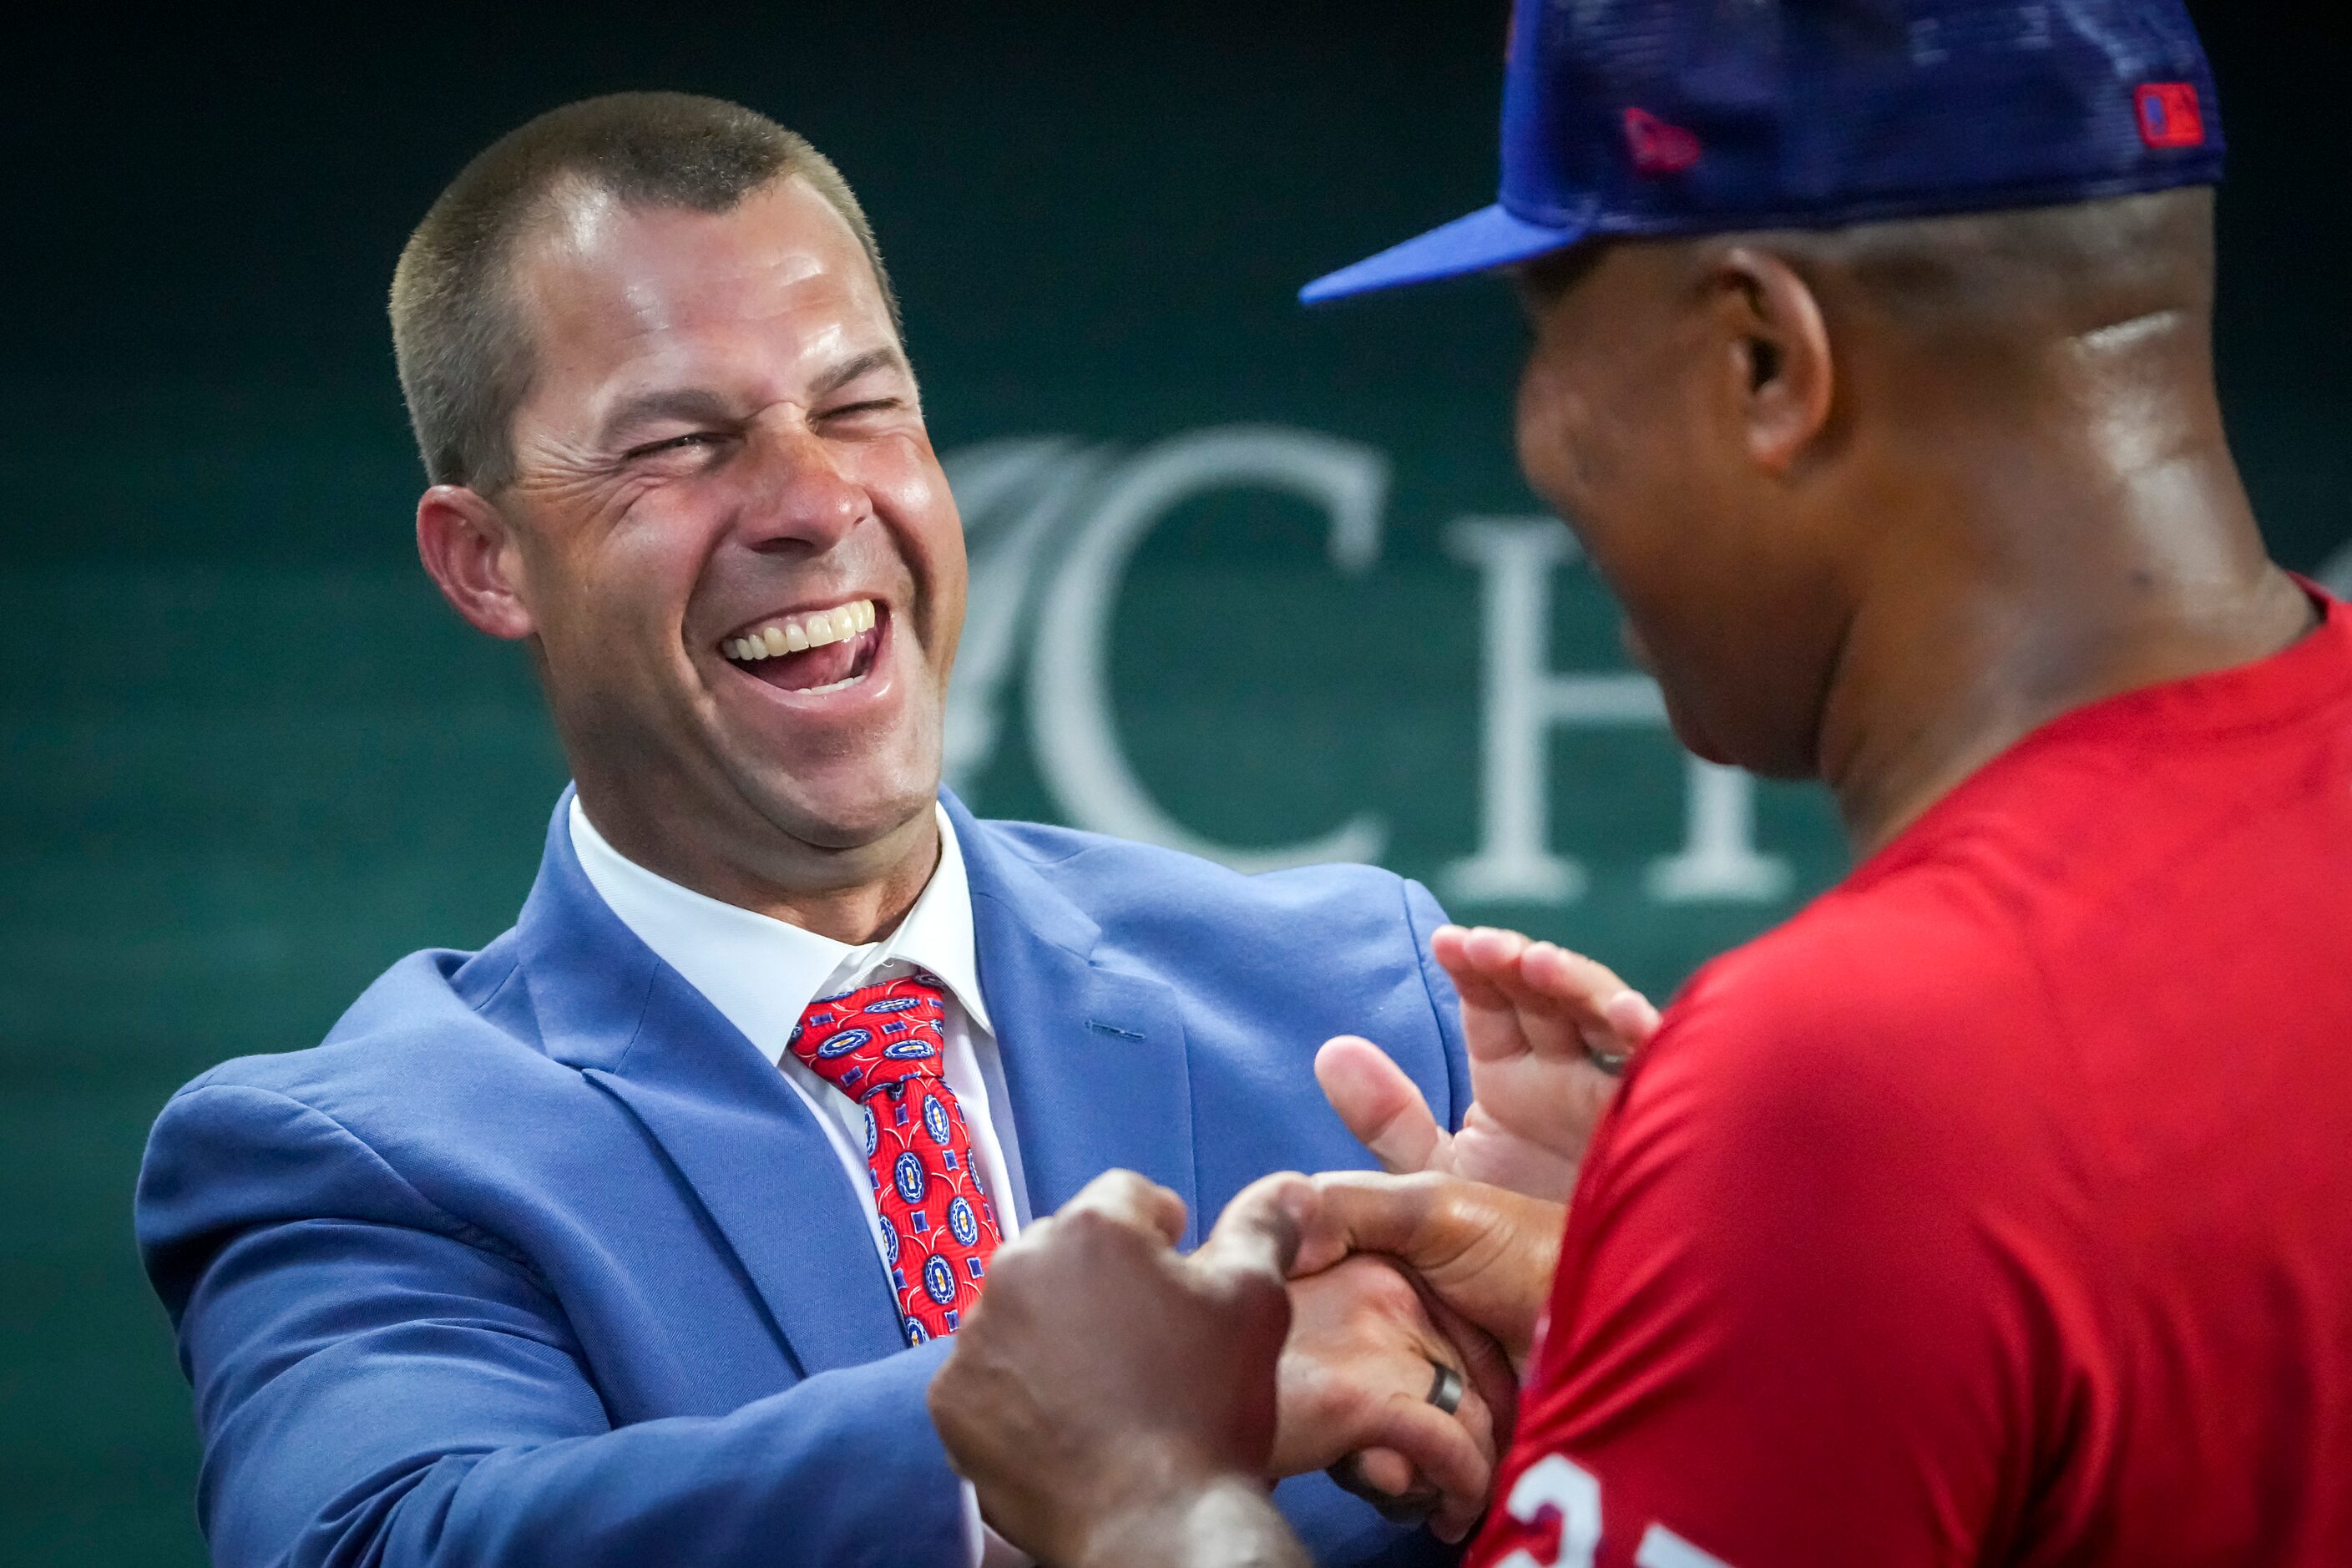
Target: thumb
point(1260, 1230)
point(1381, 1105)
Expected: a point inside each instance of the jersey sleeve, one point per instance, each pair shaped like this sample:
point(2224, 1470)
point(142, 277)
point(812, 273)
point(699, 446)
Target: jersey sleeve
point(1791, 1325)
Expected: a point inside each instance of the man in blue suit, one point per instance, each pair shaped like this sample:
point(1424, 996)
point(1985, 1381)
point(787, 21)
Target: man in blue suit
point(613, 1242)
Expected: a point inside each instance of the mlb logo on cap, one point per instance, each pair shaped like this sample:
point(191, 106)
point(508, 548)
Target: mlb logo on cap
point(2170, 116)
point(1668, 117)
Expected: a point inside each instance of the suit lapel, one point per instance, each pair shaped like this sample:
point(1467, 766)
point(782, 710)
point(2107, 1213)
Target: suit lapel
point(747, 1146)
point(1094, 1055)
point(765, 1173)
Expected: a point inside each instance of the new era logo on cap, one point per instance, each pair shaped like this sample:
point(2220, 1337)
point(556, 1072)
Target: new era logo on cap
point(2169, 115)
point(1659, 149)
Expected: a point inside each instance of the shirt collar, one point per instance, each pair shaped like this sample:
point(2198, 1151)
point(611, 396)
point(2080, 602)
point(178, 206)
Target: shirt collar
point(760, 972)
point(937, 933)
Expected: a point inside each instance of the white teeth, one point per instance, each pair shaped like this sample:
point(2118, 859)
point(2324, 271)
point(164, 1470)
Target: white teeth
point(800, 633)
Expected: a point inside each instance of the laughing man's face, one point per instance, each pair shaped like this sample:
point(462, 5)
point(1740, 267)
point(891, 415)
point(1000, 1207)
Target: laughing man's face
point(746, 572)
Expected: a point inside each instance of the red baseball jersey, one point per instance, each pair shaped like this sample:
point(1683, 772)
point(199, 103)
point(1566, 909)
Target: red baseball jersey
point(1996, 1209)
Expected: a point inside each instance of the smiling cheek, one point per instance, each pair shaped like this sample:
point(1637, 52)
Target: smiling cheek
point(910, 497)
point(629, 578)
point(1604, 459)
point(1564, 451)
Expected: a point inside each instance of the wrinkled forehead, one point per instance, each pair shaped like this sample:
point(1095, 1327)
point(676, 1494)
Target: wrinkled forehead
point(777, 280)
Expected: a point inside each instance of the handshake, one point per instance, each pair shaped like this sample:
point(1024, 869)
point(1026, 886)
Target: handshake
point(1111, 1399)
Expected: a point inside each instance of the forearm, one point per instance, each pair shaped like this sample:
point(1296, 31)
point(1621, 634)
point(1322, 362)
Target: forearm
point(842, 1463)
point(372, 1384)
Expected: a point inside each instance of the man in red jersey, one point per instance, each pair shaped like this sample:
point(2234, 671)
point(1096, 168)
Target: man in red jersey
point(1994, 1210)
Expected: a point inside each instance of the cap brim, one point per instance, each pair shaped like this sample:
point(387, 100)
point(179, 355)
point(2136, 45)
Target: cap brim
point(1486, 239)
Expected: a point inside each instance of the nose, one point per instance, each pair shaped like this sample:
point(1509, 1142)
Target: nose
point(800, 499)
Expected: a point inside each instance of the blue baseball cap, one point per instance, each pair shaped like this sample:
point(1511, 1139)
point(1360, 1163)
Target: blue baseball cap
point(1666, 117)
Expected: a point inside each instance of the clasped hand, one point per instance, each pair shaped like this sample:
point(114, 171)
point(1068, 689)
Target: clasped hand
point(1547, 1032)
point(1112, 1399)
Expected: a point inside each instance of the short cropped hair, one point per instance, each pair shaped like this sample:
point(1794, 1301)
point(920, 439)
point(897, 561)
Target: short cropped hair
point(458, 331)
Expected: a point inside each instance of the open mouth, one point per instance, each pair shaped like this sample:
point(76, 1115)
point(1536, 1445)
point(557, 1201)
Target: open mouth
point(821, 652)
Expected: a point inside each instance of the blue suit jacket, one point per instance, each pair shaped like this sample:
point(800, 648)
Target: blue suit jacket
point(537, 1259)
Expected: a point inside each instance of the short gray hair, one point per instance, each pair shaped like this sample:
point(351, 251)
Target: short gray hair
point(463, 347)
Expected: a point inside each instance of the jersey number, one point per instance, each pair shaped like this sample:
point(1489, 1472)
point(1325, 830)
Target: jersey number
point(1555, 1485)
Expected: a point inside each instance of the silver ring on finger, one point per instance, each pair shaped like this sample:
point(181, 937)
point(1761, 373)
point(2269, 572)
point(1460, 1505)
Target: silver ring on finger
point(1445, 1387)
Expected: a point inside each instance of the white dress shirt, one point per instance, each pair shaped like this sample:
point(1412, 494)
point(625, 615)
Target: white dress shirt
point(761, 974)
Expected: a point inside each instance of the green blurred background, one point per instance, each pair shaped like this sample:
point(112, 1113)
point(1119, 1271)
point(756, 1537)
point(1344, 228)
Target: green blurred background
point(249, 758)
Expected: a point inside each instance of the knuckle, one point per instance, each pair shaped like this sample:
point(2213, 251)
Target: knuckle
point(1095, 1233)
point(1121, 1189)
point(1382, 1291)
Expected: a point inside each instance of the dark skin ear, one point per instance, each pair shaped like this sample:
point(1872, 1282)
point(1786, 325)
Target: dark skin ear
point(1778, 372)
point(469, 549)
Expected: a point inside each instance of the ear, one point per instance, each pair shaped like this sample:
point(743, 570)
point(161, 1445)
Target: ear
point(470, 551)
point(1779, 367)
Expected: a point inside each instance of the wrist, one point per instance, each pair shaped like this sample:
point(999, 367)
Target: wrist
point(1191, 1517)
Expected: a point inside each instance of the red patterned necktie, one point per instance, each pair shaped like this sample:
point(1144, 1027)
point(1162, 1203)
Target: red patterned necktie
point(881, 1045)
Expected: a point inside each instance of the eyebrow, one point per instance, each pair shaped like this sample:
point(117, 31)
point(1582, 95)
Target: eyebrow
point(885, 358)
point(695, 405)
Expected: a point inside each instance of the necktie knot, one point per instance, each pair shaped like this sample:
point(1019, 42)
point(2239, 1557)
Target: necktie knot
point(875, 1038)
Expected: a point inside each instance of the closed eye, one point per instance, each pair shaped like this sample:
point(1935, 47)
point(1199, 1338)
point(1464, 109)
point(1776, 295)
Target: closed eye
point(871, 406)
point(673, 444)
